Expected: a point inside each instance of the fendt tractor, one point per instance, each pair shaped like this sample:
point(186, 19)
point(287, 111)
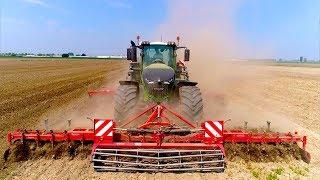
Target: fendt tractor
point(155, 75)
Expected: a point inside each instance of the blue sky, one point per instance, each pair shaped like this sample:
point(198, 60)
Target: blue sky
point(290, 27)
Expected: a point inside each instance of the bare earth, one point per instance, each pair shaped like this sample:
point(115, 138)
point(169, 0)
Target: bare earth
point(287, 96)
point(29, 88)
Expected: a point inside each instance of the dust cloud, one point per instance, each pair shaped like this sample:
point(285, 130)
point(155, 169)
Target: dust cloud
point(227, 83)
point(84, 109)
point(230, 86)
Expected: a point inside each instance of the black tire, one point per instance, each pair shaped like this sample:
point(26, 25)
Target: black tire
point(6, 155)
point(125, 101)
point(191, 105)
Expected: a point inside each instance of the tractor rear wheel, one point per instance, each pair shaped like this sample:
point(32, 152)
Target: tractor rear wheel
point(125, 101)
point(191, 105)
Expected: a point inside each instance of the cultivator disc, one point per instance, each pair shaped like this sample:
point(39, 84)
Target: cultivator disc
point(156, 160)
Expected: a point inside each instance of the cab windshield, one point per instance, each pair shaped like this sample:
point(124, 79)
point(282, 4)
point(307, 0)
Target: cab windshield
point(158, 53)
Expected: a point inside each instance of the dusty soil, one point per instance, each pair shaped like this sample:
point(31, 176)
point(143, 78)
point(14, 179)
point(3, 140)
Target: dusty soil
point(286, 96)
point(30, 88)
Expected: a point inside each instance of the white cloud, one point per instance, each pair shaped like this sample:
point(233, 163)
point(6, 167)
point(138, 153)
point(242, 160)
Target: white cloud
point(37, 2)
point(118, 4)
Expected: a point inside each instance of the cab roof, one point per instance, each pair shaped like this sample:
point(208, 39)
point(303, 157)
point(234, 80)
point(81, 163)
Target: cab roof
point(158, 43)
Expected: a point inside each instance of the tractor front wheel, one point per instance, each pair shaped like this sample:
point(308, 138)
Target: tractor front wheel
point(191, 105)
point(125, 101)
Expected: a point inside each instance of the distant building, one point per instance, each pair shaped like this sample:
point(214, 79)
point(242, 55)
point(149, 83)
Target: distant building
point(301, 59)
point(30, 55)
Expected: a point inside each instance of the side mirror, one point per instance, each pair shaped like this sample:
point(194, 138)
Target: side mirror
point(186, 54)
point(129, 54)
point(132, 54)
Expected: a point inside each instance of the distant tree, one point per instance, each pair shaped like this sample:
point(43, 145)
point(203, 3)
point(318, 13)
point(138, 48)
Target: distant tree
point(65, 55)
point(70, 54)
point(83, 54)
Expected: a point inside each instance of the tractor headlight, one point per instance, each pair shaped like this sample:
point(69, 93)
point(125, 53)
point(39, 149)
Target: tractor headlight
point(149, 81)
point(169, 81)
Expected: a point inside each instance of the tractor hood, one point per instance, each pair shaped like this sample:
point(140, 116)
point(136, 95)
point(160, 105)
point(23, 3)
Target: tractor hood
point(158, 72)
point(158, 76)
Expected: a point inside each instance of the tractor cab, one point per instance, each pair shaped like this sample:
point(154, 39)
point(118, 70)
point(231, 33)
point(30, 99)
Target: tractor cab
point(148, 53)
point(155, 66)
point(158, 52)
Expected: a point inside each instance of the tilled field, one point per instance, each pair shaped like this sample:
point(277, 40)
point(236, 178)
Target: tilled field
point(30, 88)
point(286, 96)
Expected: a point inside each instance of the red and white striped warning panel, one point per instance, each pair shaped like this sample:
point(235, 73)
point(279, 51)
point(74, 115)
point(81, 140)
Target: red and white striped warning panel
point(213, 129)
point(103, 127)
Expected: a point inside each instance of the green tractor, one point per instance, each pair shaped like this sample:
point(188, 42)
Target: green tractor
point(155, 76)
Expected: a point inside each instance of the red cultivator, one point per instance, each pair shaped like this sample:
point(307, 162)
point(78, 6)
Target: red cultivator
point(101, 91)
point(157, 144)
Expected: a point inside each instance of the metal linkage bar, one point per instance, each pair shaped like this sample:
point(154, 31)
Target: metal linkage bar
point(158, 111)
point(130, 120)
point(186, 121)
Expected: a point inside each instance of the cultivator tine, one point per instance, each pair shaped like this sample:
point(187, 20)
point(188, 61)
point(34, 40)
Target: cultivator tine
point(38, 138)
point(46, 124)
point(268, 125)
point(90, 119)
point(69, 123)
point(52, 138)
point(246, 125)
